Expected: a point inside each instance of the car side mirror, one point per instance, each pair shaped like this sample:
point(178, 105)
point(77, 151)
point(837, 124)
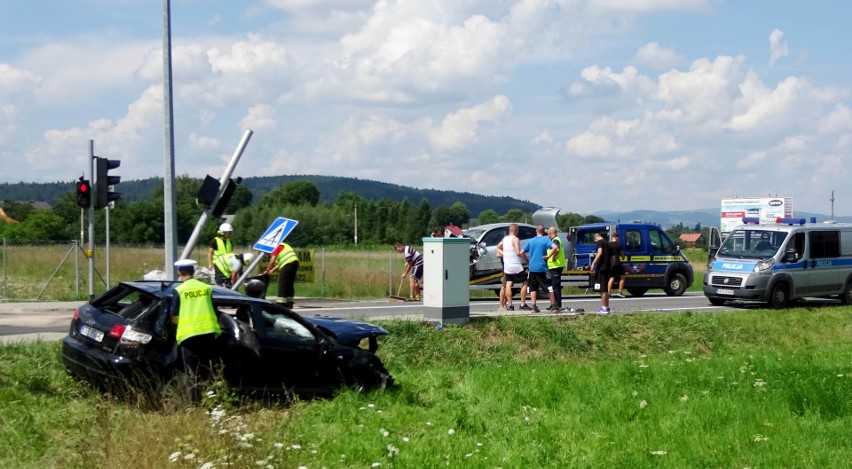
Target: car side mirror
point(712, 251)
point(790, 255)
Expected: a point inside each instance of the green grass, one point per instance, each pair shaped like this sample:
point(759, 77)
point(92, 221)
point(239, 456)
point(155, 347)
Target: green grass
point(754, 388)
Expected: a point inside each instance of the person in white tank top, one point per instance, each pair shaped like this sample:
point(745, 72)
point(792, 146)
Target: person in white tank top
point(513, 262)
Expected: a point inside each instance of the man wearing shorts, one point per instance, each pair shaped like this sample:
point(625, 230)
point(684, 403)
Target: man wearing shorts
point(600, 266)
point(536, 252)
point(617, 274)
point(513, 262)
point(413, 268)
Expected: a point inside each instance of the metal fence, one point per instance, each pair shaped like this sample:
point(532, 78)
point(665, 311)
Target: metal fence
point(58, 271)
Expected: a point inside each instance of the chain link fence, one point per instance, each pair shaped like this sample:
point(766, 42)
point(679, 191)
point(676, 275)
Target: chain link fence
point(58, 271)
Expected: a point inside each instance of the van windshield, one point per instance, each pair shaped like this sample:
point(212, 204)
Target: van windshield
point(752, 244)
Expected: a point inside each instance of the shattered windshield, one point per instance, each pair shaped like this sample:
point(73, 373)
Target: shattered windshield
point(752, 244)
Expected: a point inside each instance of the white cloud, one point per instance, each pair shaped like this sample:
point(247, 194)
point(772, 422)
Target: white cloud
point(653, 55)
point(462, 127)
point(203, 142)
point(766, 106)
point(777, 46)
point(259, 117)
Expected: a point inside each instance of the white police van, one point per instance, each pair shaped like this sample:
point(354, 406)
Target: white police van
point(780, 262)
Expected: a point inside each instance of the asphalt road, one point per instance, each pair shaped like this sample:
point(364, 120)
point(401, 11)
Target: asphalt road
point(49, 320)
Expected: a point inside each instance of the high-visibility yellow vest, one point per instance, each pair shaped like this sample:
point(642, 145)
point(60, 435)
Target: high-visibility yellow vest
point(196, 315)
point(560, 257)
point(223, 246)
point(223, 263)
point(286, 256)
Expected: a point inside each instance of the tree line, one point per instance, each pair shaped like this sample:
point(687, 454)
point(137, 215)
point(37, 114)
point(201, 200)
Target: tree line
point(379, 222)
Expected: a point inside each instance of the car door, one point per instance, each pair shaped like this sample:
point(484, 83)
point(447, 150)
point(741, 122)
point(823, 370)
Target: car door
point(489, 262)
point(290, 352)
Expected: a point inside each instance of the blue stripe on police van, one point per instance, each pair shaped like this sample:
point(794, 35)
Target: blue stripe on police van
point(732, 266)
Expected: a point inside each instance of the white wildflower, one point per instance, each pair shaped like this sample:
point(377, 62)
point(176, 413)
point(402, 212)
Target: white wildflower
point(468, 455)
point(659, 453)
point(840, 375)
point(189, 457)
point(405, 439)
point(642, 365)
point(635, 393)
point(296, 446)
point(278, 445)
point(759, 383)
point(451, 431)
point(174, 456)
point(684, 398)
point(478, 444)
point(760, 437)
point(207, 465)
point(211, 393)
point(643, 404)
point(392, 450)
point(429, 424)
point(376, 464)
point(384, 432)
point(371, 405)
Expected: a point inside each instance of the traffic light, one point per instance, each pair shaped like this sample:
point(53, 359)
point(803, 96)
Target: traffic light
point(103, 181)
point(84, 193)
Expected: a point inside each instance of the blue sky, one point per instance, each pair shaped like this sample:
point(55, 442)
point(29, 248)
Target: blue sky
point(586, 105)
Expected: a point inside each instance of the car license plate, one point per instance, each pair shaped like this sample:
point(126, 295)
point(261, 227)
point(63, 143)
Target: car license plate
point(91, 333)
point(724, 291)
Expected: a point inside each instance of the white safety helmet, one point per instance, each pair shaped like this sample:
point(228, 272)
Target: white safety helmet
point(247, 257)
point(226, 228)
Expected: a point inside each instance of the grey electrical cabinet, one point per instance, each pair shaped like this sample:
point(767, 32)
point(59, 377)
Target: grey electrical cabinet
point(446, 277)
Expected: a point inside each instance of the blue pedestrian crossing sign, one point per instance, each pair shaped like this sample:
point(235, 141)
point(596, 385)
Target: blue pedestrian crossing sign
point(277, 231)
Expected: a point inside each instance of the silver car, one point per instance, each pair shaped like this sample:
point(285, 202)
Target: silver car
point(487, 237)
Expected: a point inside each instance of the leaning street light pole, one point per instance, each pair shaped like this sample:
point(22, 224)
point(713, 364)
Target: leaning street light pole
point(223, 184)
point(169, 210)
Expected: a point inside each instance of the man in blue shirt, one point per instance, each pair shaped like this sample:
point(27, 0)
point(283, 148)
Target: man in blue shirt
point(536, 250)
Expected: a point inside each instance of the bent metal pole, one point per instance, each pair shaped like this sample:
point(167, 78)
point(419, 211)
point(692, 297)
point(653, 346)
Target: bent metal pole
point(223, 183)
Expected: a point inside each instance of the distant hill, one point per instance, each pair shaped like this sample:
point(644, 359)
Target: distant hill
point(328, 186)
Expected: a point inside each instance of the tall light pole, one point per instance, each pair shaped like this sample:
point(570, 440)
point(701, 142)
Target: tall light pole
point(169, 211)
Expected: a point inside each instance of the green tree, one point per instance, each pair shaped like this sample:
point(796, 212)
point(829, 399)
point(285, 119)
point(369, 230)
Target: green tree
point(460, 215)
point(589, 219)
point(17, 210)
point(516, 215)
point(487, 216)
point(567, 220)
point(294, 193)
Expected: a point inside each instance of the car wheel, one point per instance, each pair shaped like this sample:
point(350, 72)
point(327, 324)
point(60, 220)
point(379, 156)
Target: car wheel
point(637, 291)
point(717, 301)
point(846, 296)
point(676, 286)
point(368, 373)
point(780, 296)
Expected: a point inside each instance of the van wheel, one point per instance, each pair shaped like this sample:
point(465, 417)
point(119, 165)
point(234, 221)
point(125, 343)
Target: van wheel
point(846, 296)
point(676, 286)
point(637, 291)
point(717, 301)
point(780, 296)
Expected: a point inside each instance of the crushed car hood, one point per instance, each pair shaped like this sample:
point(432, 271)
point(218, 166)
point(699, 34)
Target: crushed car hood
point(346, 330)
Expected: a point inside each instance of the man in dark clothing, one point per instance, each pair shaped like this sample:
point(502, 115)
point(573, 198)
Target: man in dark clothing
point(617, 273)
point(600, 266)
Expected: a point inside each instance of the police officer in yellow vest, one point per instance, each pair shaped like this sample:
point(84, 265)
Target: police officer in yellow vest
point(229, 266)
point(220, 245)
point(197, 324)
point(555, 266)
point(284, 258)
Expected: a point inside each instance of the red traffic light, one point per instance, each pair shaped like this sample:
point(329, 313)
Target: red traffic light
point(84, 193)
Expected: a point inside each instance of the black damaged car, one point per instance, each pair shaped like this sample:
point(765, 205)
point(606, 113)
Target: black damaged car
point(125, 337)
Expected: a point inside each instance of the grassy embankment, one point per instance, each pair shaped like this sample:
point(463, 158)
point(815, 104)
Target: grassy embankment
point(754, 388)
